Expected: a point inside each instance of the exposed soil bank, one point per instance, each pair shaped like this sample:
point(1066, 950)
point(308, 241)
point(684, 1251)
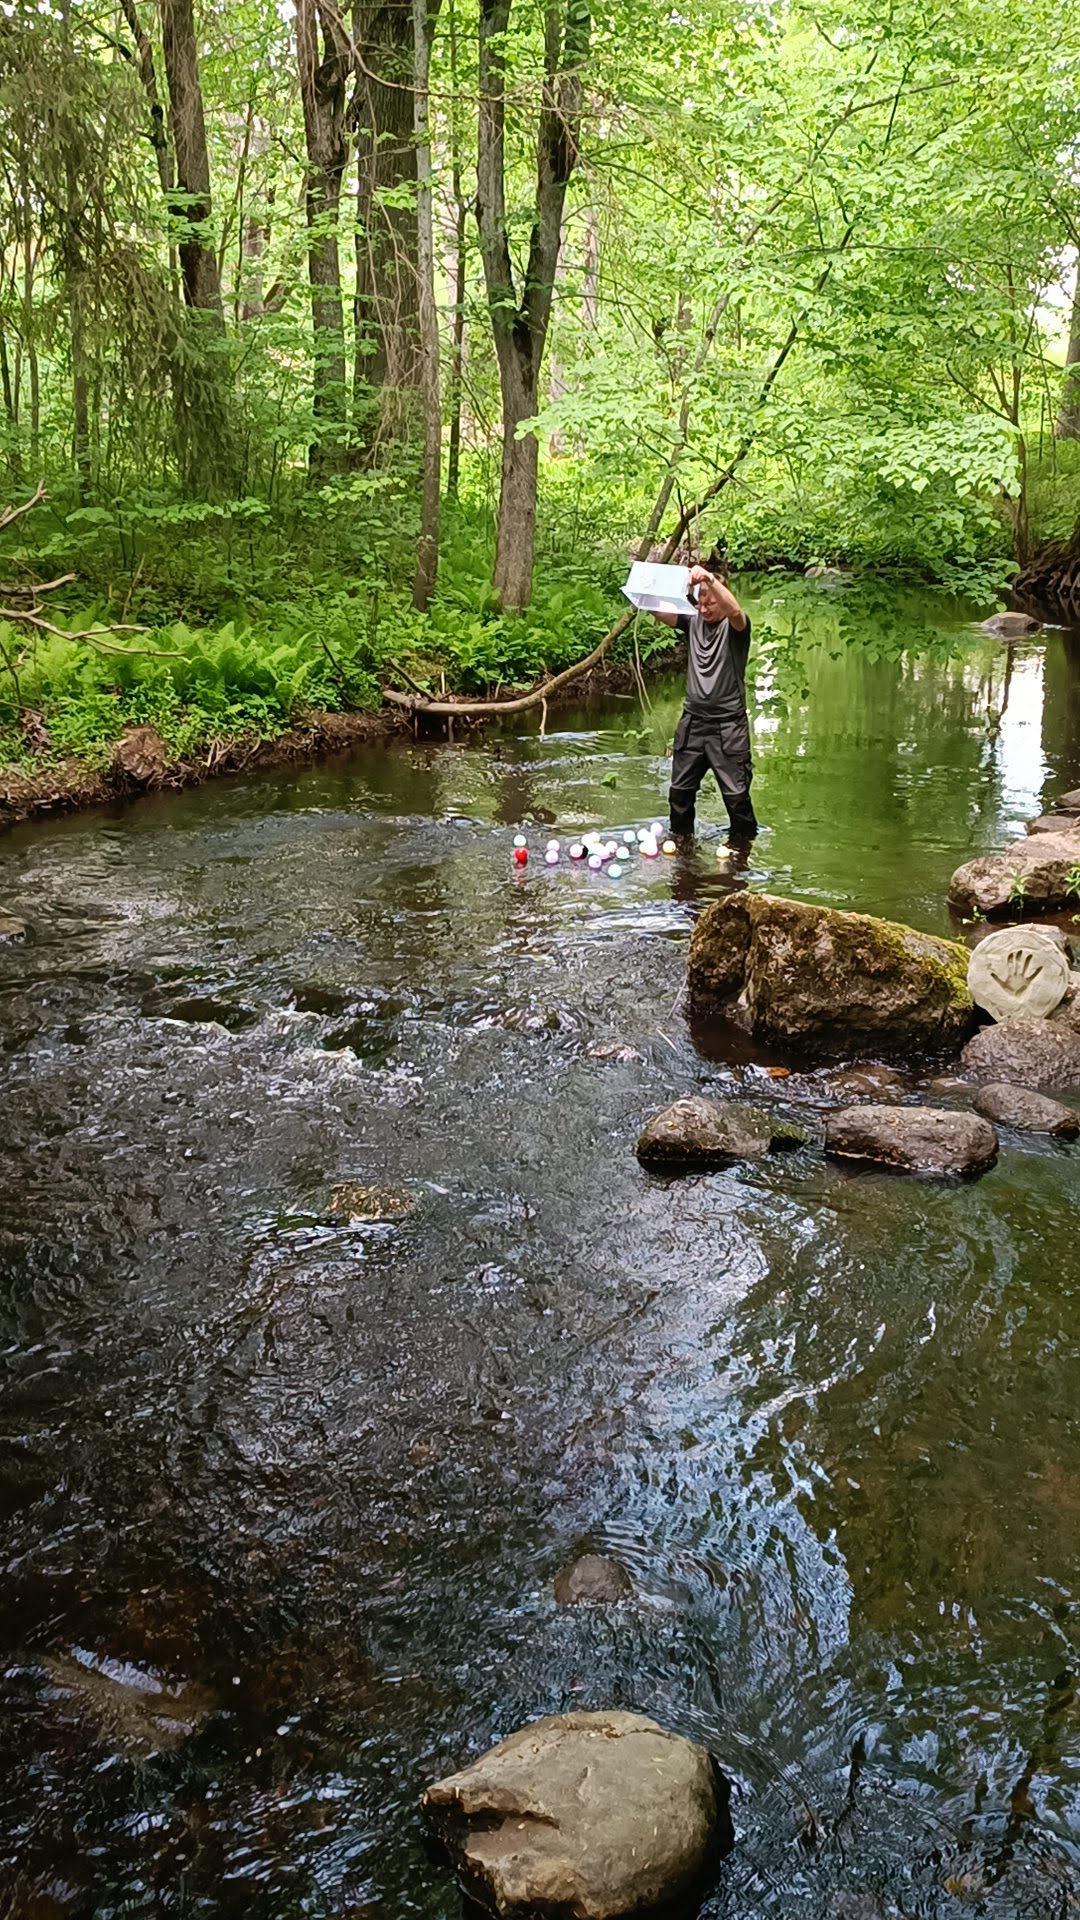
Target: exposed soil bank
point(69, 785)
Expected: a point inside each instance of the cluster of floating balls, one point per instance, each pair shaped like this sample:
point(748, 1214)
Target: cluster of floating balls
point(598, 853)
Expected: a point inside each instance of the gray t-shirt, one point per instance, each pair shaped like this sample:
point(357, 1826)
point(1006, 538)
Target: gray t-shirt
point(716, 671)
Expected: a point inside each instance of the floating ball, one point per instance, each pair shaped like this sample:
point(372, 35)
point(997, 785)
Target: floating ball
point(649, 848)
point(723, 853)
point(615, 871)
point(551, 857)
point(521, 856)
point(656, 829)
point(670, 847)
point(629, 837)
point(577, 851)
point(553, 846)
point(595, 862)
point(641, 834)
point(611, 849)
point(520, 840)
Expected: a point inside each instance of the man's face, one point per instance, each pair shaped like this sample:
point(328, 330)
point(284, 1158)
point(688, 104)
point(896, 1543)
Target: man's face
point(710, 605)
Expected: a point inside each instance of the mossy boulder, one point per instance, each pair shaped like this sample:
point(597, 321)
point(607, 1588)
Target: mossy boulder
point(831, 983)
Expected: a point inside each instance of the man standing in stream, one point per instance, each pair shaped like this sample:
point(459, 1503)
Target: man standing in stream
point(714, 731)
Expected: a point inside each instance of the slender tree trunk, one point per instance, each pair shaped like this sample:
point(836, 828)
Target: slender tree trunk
point(191, 199)
point(520, 327)
point(427, 560)
point(323, 76)
point(389, 361)
point(457, 346)
point(159, 138)
point(1068, 420)
point(458, 282)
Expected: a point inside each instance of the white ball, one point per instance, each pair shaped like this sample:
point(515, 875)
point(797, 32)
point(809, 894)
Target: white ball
point(615, 870)
point(649, 848)
point(657, 829)
point(520, 840)
point(551, 857)
point(629, 837)
point(642, 834)
point(595, 862)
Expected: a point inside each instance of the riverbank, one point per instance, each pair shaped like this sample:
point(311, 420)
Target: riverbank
point(141, 761)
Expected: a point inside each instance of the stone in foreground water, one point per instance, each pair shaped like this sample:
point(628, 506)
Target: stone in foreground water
point(912, 1139)
point(590, 1815)
point(1026, 1111)
point(1026, 1053)
point(698, 1132)
point(592, 1579)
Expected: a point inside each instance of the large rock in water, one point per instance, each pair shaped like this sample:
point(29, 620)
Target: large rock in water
point(913, 1139)
point(1011, 626)
point(1037, 874)
point(583, 1816)
point(699, 1132)
point(831, 982)
point(1026, 1111)
point(593, 1580)
point(1025, 1053)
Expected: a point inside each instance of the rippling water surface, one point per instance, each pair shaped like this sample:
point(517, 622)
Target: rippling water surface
point(283, 1491)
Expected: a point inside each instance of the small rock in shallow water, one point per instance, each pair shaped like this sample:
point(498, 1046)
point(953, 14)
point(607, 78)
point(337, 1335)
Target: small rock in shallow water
point(912, 1139)
point(1028, 1112)
point(699, 1132)
point(593, 1580)
point(867, 1083)
point(355, 1204)
point(590, 1815)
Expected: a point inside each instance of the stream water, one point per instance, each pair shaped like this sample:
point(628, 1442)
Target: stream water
point(282, 1492)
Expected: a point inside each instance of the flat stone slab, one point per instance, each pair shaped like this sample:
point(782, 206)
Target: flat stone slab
point(1018, 974)
point(1026, 1053)
point(912, 1139)
point(1026, 1111)
point(583, 1816)
point(1052, 823)
point(698, 1132)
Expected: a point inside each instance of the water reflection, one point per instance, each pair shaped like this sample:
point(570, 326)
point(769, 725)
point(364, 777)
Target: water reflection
point(284, 1491)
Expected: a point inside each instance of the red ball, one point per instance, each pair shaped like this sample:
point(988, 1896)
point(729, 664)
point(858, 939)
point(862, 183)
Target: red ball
point(521, 855)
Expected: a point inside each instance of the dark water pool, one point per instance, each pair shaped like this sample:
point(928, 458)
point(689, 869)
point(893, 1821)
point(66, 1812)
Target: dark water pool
point(282, 1491)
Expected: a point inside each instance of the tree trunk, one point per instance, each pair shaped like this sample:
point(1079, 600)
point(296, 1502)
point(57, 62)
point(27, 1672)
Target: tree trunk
point(517, 492)
point(388, 367)
point(520, 326)
point(191, 198)
point(159, 139)
point(457, 289)
point(427, 559)
point(1068, 420)
point(323, 77)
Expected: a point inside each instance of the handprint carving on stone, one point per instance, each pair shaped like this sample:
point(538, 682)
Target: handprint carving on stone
point(1018, 974)
point(1016, 969)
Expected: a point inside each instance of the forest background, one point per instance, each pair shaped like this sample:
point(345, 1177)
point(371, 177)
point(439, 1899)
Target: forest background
point(355, 348)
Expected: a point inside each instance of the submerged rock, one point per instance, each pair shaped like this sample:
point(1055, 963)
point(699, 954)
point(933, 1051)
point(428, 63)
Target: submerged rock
point(831, 982)
point(699, 1132)
point(583, 1816)
point(1018, 974)
point(1011, 626)
point(1026, 1053)
point(1026, 1111)
point(1040, 874)
point(140, 757)
point(912, 1139)
point(129, 1708)
point(355, 1204)
point(866, 1083)
point(593, 1579)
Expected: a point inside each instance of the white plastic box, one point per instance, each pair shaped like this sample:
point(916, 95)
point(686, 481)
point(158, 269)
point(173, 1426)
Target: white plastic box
point(657, 589)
